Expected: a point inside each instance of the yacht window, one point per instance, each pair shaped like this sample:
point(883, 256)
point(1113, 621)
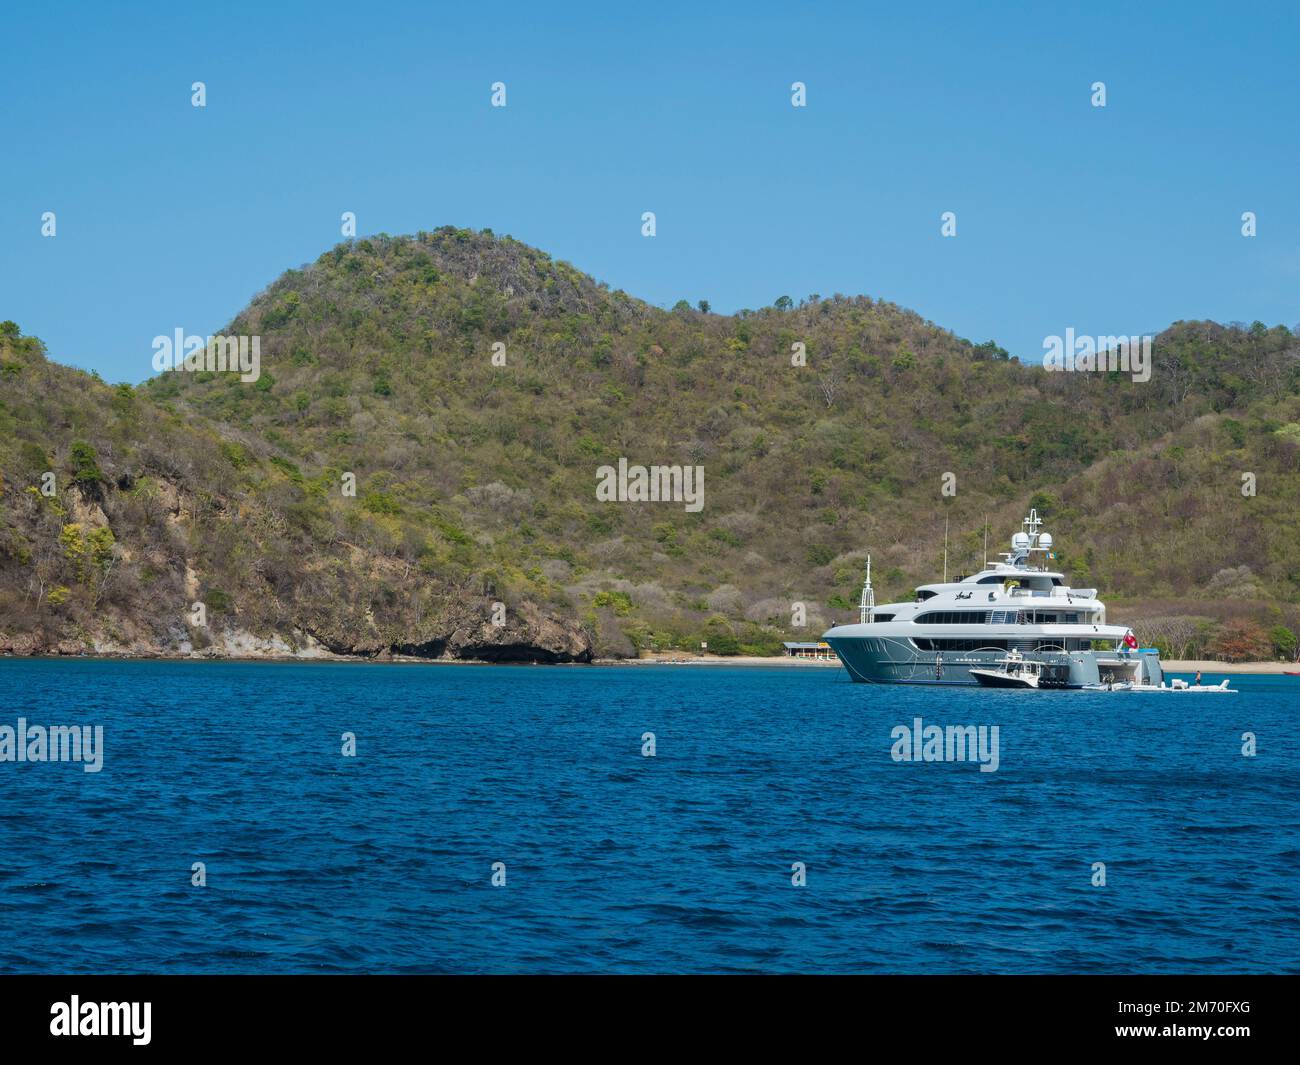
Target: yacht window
point(1067, 618)
point(924, 644)
point(883, 617)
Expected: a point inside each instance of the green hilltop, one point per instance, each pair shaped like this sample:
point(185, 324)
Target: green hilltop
point(476, 481)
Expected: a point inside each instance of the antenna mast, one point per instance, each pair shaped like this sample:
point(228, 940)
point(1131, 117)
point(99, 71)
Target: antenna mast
point(986, 541)
point(945, 549)
point(868, 603)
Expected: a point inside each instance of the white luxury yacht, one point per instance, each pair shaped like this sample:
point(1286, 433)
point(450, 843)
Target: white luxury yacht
point(1015, 605)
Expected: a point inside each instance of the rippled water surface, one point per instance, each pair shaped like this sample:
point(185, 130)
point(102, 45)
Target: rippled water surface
point(615, 861)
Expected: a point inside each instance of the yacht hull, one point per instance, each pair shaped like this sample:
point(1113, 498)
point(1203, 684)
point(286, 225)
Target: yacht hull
point(889, 659)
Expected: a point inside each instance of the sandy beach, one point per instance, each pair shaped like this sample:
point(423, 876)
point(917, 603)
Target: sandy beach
point(1230, 667)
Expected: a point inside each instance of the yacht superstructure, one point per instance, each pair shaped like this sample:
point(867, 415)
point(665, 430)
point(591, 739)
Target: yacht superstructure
point(1016, 605)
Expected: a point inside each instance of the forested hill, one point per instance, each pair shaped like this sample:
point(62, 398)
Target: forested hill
point(472, 387)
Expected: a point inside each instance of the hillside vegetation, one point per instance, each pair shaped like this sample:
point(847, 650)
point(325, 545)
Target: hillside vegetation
point(475, 469)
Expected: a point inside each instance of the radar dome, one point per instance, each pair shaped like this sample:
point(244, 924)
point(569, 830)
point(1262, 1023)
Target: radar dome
point(1045, 541)
point(1020, 541)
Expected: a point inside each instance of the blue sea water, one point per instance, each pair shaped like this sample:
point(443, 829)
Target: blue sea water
point(619, 862)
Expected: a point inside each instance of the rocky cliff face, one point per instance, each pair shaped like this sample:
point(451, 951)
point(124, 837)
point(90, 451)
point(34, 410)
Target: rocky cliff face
point(538, 637)
point(532, 636)
point(467, 632)
point(143, 559)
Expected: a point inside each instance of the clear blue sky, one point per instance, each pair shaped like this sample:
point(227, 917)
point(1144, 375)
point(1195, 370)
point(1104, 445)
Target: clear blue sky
point(1115, 220)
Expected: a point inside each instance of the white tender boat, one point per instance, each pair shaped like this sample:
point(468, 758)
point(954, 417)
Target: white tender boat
point(1183, 686)
point(1012, 671)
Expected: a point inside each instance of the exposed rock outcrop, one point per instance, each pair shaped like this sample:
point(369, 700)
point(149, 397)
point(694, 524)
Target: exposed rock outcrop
point(467, 632)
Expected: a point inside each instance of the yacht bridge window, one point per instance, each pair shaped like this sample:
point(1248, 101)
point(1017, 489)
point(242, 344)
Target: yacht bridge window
point(953, 617)
point(996, 617)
